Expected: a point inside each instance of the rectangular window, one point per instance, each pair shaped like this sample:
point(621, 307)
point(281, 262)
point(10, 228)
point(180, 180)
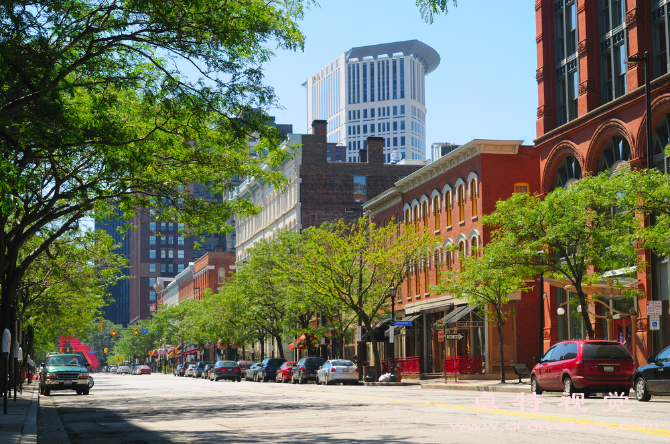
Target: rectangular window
point(402, 110)
point(152, 295)
point(365, 113)
point(170, 254)
point(152, 254)
point(365, 84)
point(402, 77)
point(152, 282)
point(358, 129)
point(163, 254)
point(521, 188)
point(372, 113)
point(163, 227)
point(395, 80)
point(163, 240)
point(170, 268)
point(395, 125)
point(152, 268)
point(372, 128)
point(152, 240)
point(395, 141)
point(365, 129)
point(360, 189)
point(180, 254)
point(372, 85)
point(170, 240)
point(181, 226)
point(170, 226)
point(152, 226)
point(402, 125)
point(402, 140)
point(395, 110)
point(180, 268)
point(163, 268)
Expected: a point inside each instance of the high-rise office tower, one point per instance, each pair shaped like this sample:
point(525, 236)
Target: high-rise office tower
point(376, 90)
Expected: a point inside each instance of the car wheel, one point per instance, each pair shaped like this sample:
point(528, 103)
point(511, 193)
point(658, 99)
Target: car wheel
point(85, 391)
point(78, 392)
point(300, 380)
point(318, 380)
point(293, 381)
point(265, 378)
point(239, 379)
point(535, 386)
point(41, 389)
point(47, 391)
point(641, 392)
point(277, 380)
point(568, 388)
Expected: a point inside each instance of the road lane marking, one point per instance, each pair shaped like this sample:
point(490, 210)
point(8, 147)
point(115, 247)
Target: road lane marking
point(611, 425)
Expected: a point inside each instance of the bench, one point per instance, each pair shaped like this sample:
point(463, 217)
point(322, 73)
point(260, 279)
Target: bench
point(521, 370)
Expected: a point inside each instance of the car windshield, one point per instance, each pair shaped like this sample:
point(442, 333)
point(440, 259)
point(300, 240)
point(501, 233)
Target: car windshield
point(605, 351)
point(275, 362)
point(227, 363)
point(65, 360)
point(342, 363)
point(314, 361)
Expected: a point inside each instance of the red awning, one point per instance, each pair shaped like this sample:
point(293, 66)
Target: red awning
point(191, 352)
point(302, 344)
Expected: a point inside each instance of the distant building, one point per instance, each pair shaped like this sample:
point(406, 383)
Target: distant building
point(118, 309)
point(375, 91)
point(441, 149)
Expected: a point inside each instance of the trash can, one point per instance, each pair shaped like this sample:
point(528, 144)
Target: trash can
point(369, 374)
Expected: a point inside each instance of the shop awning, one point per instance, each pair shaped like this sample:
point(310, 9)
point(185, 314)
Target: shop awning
point(399, 327)
point(302, 344)
point(601, 287)
point(458, 313)
point(379, 330)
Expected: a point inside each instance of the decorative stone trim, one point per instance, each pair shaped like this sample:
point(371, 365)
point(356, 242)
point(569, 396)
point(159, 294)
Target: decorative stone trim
point(540, 111)
point(539, 37)
point(585, 45)
point(539, 74)
point(634, 15)
point(588, 86)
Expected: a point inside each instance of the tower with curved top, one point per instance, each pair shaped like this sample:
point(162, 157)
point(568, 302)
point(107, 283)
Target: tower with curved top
point(376, 90)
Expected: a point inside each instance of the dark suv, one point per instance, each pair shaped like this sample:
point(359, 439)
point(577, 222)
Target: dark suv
point(305, 370)
point(269, 368)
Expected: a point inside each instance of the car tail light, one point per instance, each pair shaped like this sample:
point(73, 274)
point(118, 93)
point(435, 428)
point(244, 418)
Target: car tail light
point(356, 369)
point(303, 368)
point(220, 369)
point(332, 370)
point(579, 365)
point(236, 369)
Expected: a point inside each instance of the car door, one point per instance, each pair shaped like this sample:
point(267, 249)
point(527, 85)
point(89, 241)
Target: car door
point(543, 369)
point(555, 367)
point(658, 374)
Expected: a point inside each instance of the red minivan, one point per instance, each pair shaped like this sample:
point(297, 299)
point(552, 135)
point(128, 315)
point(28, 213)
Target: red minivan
point(584, 366)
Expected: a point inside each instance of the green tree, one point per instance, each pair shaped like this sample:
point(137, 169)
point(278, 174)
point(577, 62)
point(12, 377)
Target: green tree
point(97, 110)
point(355, 265)
point(133, 347)
point(430, 8)
point(486, 281)
point(583, 228)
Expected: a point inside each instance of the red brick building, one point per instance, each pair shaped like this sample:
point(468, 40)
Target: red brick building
point(591, 117)
point(449, 196)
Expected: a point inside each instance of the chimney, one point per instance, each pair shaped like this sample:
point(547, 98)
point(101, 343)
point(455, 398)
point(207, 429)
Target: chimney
point(363, 155)
point(320, 128)
point(375, 150)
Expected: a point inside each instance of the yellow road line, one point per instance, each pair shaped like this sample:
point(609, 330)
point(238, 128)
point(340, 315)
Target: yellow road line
point(611, 425)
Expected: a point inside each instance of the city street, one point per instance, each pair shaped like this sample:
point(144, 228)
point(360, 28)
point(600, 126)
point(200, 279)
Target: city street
point(163, 408)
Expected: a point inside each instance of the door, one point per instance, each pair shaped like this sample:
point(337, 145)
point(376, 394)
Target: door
point(658, 374)
point(543, 370)
point(555, 367)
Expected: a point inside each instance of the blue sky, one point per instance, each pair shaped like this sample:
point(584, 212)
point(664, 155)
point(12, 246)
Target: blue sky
point(485, 85)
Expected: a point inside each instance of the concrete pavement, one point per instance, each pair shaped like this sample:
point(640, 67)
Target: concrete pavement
point(18, 426)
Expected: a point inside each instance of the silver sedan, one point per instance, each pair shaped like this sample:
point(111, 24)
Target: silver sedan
point(337, 370)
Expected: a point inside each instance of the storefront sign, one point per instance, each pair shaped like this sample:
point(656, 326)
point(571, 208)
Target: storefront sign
point(654, 308)
point(454, 337)
point(654, 323)
point(391, 334)
point(440, 336)
point(359, 333)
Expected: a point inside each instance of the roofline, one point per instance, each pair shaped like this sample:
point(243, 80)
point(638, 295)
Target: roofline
point(424, 53)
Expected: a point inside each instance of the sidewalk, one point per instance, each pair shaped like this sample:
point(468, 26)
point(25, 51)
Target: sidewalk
point(19, 425)
point(492, 385)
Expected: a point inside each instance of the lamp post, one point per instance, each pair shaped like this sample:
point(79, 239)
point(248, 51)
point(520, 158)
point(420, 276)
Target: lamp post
point(359, 344)
point(392, 293)
point(541, 261)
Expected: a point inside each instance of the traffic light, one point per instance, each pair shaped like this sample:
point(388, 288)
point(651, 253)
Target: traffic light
point(61, 350)
point(135, 332)
point(113, 332)
point(106, 350)
point(100, 325)
point(68, 349)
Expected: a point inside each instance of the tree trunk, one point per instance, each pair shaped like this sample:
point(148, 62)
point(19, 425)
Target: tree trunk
point(585, 313)
point(375, 352)
point(502, 353)
point(279, 346)
point(262, 349)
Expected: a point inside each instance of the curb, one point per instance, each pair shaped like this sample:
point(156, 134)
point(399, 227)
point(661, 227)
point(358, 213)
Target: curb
point(478, 388)
point(29, 435)
point(392, 384)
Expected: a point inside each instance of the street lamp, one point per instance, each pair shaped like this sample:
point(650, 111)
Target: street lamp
point(392, 293)
point(541, 261)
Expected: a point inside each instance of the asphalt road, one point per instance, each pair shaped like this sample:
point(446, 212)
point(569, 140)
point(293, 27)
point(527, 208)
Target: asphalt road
point(162, 408)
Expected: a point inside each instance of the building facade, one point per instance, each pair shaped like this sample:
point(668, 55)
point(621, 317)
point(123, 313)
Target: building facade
point(377, 91)
point(449, 197)
point(591, 118)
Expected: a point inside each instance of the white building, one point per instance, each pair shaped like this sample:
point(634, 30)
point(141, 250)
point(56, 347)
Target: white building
point(376, 90)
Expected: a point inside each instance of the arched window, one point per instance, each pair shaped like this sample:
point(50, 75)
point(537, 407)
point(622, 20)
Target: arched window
point(617, 150)
point(437, 259)
point(407, 214)
point(409, 283)
point(416, 216)
point(447, 207)
point(447, 259)
point(474, 245)
point(425, 213)
point(461, 203)
point(473, 196)
point(417, 279)
point(426, 274)
point(661, 139)
point(568, 171)
point(461, 254)
point(436, 212)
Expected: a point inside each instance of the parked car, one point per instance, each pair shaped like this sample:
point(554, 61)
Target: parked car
point(64, 372)
point(225, 370)
point(176, 370)
point(305, 370)
point(205, 371)
point(111, 369)
point(123, 369)
point(143, 370)
point(190, 370)
point(269, 367)
point(199, 367)
point(584, 366)
point(337, 370)
point(182, 370)
point(252, 372)
point(133, 369)
point(284, 372)
point(244, 365)
point(653, 378)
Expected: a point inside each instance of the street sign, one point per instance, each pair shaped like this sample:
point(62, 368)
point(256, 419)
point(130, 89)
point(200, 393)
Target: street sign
point(90, 351)
point(453, 337)
point(654, 308)
point(654, 323)
point(439, 324)
point(402, 323)
point(145, 330)
point(118, 359)
point(391, 335)
point(440, 336)
point(359, 333)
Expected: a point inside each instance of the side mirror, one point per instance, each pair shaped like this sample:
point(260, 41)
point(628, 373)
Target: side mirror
point(651, 359)
point(536, 359)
